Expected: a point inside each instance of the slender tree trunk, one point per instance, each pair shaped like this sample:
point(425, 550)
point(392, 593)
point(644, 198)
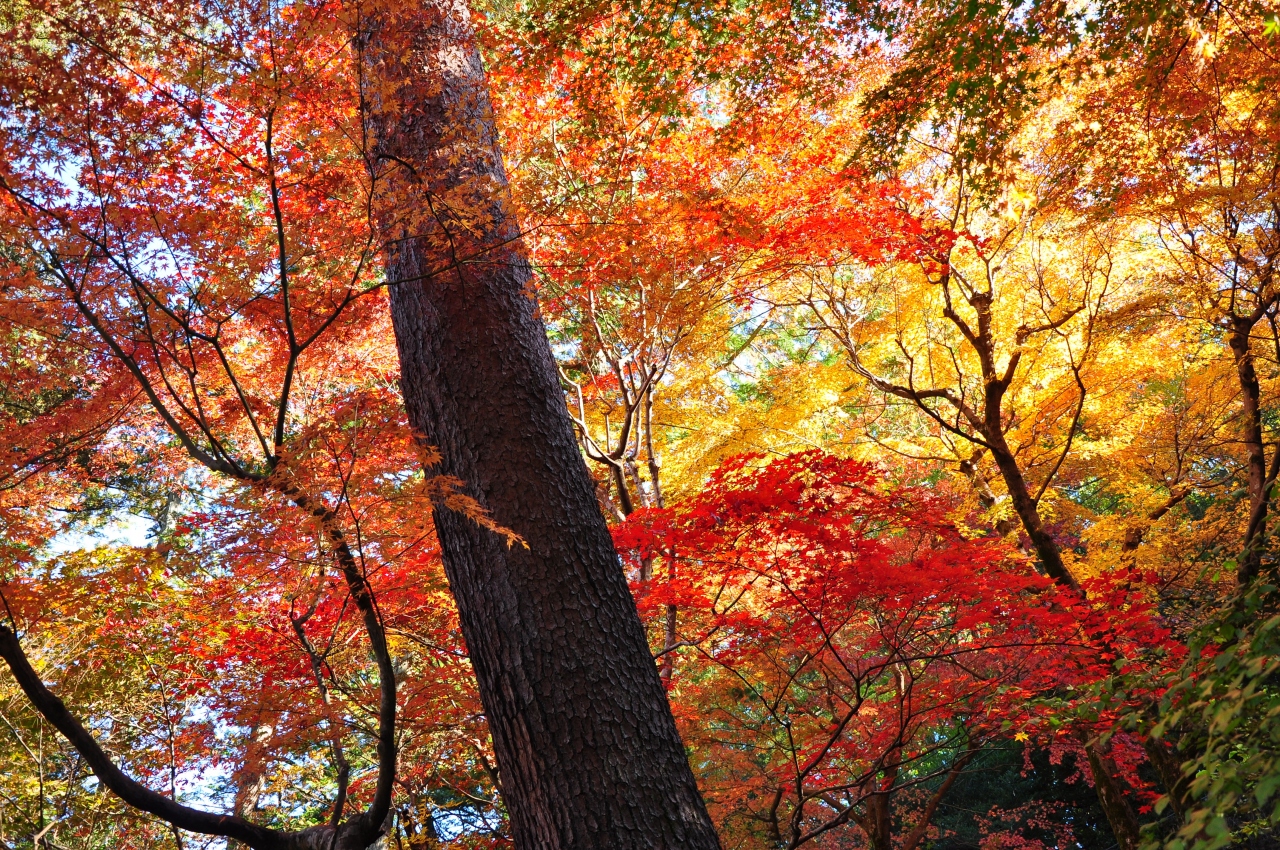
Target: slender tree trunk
point(920, 831)
point(668, 643)
point(624, 495)
point(972, 469)
point(1251, 400)
point(587, 749)
point(1106, 781)
point(1025, 507)
point(1124, 823)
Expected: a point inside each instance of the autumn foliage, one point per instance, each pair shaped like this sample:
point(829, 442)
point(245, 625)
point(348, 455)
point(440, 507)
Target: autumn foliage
point(925, 360)
point(851, 647)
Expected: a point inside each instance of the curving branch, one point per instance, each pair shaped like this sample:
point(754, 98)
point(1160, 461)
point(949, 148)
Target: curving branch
point(355, 834)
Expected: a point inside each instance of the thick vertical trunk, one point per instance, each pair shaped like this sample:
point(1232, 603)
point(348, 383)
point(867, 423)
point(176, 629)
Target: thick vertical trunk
point(1165, 761)
point(588, 752)
point(876, 818)
point(251, 778)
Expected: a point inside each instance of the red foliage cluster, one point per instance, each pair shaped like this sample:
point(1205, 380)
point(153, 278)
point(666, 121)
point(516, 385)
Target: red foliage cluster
point(843, 641)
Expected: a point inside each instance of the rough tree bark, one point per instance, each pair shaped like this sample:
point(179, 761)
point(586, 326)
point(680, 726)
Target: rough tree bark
point(588, 752)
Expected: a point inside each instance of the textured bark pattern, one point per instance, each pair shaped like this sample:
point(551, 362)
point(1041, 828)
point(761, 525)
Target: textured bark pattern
point(588, 753)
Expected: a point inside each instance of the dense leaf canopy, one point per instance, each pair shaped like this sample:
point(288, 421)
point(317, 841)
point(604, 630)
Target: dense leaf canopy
point(925, 355)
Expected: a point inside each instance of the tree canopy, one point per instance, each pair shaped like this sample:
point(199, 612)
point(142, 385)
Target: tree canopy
point(924, 358)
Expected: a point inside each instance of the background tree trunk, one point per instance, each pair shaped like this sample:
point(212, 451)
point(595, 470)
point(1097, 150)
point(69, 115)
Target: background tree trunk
point(587, 748)
point(1251, 401)
point(1120, 814)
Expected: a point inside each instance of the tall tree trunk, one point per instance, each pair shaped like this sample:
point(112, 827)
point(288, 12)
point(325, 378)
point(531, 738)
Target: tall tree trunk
point(1120, 816)
point(1106, 777)
point(1168, 767)
point(876, 819)
point(1028, 512)
point(877, 822)
point(1251, 400)
point(587, 748)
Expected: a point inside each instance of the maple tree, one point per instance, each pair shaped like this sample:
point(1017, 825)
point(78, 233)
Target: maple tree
point(863, 646)
point(920, 356)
